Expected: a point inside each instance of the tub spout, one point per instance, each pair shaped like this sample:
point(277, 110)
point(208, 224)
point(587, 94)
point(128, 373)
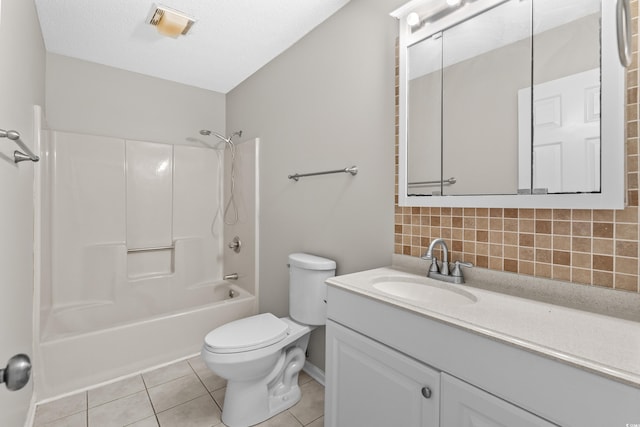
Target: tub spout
point(232, 276)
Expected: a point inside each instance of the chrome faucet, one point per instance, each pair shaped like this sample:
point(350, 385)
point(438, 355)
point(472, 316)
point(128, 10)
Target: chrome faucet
point(434, 261)
point(442, 273)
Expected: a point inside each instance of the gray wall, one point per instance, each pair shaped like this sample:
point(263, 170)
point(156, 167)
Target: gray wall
point(86, 97)
point(21, 86)
point(325, 103)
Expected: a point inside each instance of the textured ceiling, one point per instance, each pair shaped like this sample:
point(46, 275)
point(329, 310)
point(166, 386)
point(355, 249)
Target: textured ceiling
point(230, 40)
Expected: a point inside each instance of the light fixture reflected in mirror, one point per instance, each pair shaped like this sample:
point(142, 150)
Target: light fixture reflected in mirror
point(169, 22)
point(413, 19)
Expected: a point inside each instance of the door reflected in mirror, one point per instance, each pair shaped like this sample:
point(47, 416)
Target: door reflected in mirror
point(565, 119)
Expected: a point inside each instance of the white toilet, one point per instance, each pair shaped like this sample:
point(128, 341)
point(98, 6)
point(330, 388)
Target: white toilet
point(260, 356)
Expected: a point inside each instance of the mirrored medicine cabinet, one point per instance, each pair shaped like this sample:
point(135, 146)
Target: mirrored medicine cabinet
point(513, 103)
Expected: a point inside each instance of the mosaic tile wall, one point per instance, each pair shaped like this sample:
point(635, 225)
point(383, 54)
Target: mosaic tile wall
point(592, 247)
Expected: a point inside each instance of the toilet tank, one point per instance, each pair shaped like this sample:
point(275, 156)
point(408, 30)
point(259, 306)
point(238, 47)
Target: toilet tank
point(307, 290)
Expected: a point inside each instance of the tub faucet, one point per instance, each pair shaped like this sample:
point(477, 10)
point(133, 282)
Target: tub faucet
point(442, 273)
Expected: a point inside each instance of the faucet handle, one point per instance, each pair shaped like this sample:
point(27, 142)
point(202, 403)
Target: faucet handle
point(457, 272)
point(434, 265)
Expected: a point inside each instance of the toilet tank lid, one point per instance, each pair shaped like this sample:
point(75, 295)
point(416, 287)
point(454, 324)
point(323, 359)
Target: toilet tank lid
point(311, 262)
point(250, 333)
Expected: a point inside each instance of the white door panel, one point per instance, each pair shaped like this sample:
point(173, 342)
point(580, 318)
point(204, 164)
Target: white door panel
point(566, 134)
point(547, 166)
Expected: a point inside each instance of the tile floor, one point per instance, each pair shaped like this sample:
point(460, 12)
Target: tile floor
point(184, 394)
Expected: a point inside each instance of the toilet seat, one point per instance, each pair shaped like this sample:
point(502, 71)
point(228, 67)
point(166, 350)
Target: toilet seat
point(246, 334)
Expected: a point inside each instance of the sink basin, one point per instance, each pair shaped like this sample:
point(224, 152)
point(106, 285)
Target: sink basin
point(422, 290)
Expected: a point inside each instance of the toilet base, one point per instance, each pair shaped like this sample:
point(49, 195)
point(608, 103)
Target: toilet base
point(248, 403)
point(245, 413)
point(282, 403)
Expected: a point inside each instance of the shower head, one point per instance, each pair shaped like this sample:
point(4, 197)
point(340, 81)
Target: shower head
point(207, 132)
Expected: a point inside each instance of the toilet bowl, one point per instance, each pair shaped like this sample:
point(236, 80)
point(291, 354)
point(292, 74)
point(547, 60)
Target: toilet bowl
point(258, 385)
point(260, 356)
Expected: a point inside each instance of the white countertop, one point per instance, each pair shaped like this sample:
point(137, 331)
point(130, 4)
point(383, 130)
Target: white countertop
point(603, 344)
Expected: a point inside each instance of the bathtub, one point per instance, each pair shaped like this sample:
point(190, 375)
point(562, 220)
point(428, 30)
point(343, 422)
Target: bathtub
point(78, 349)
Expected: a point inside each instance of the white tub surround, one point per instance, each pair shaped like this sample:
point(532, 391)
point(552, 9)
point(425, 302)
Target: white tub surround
point(132, 257)
point(577, 364)
point(149, 195)
point(133, 231)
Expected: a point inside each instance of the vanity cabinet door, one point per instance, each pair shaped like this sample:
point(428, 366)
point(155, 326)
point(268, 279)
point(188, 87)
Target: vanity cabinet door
point(369, 384)
point(464, 405)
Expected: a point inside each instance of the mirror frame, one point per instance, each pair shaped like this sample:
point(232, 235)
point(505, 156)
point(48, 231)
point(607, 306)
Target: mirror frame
point(613, 127)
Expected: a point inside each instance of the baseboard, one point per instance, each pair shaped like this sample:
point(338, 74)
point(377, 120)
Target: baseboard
point(314, 372)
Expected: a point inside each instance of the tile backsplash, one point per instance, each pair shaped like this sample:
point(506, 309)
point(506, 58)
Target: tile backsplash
point(592, 247)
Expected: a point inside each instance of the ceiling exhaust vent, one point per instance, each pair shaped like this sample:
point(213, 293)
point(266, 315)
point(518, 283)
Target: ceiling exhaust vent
point(169, 22)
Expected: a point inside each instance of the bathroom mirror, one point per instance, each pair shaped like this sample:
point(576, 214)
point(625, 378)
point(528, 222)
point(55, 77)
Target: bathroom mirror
point(424, 136)
point(500, 103)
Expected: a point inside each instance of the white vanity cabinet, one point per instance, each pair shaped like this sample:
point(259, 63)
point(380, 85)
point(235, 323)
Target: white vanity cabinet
point(369, 384)
point(380, 356)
